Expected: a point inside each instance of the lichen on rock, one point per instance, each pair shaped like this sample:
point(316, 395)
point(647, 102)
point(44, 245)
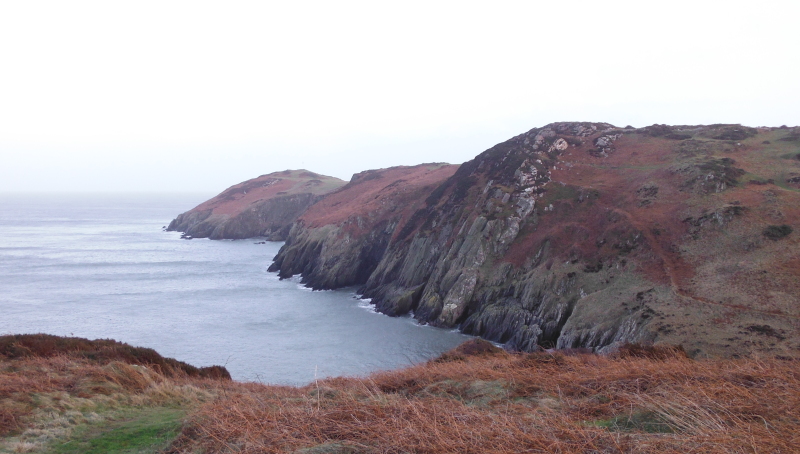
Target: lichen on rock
point(572, 235)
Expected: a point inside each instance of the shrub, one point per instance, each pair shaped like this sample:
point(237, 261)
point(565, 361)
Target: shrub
point(776, 232)
point(473, 347)
point(652, 352)
point(101, 351)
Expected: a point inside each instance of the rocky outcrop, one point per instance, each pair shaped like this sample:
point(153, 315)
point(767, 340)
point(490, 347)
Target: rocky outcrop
point(271, 218)
point(453, 269)
point(339, 241)
point(581, 235)
point(266, 206)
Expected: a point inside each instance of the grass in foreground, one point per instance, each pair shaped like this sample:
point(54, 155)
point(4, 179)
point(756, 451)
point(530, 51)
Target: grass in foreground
point(484, 400)
point(144, 431)
point(474, 399)
point(64, 405)
point(68, 395)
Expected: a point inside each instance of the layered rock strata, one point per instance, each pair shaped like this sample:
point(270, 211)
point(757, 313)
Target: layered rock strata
point(585, 235)
point(339, 241)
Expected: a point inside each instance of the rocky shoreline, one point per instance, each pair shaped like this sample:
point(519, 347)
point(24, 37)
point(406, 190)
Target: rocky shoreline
point(577, 235)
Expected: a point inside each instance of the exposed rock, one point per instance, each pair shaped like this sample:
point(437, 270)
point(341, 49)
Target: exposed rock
point(538, 243)
point(732, 132)
point(604, 145)
point(647, 193)
point(717, 218)
point(340, 241)
point(712, 175)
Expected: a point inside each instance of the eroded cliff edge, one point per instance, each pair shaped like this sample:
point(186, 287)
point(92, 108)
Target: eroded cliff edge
point(587, 235)
point(266, 206)
point(340, 241)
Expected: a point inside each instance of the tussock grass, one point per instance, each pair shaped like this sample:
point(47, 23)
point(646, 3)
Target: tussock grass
point(46, 401)
point(481, 400)
point(53, 389)
point(474, 399)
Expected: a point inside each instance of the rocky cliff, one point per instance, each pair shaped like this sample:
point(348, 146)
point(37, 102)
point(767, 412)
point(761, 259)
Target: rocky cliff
point(264, 206)
point(587, 235)
point(340, 241)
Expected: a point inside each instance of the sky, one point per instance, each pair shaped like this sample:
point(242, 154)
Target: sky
point(195, 96)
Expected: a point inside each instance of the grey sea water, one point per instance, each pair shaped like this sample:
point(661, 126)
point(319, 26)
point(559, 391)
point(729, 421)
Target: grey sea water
point(100, 266)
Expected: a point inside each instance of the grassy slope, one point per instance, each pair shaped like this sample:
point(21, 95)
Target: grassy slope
point(474, 399)
point(65, 405)
point(238, 197)
point(377, 194)
point(65, 395)
point(479, 399)
point(145, 430)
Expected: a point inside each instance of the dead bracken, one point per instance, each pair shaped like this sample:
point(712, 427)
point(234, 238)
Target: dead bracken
point(482, 400)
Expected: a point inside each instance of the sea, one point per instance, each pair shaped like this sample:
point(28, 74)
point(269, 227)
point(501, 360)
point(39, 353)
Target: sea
point(102, 266)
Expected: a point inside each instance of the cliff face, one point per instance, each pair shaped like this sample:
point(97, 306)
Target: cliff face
point(587, 235)
point(477, 257)
point(340, 240)
point(264, 206)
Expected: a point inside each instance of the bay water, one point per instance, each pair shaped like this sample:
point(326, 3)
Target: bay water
point(101, 266)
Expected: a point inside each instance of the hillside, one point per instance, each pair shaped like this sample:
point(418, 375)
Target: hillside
point(480, 399)
point(264, 206)
point(585, 235)
point(65, 395)
point(341, 239)
point(73, 395)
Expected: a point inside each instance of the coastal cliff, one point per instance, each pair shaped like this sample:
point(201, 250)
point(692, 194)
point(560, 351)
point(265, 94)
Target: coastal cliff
point(340, 240)
point(264, 206)
point(585, 235)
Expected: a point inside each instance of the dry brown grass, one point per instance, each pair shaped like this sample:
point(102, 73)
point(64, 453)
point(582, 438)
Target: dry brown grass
point(50, 385)
point(34, 391)
point(474, 399)
point(101, 351)
point(496, 402)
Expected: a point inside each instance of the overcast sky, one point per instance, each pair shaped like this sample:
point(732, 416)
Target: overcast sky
point(197, 96)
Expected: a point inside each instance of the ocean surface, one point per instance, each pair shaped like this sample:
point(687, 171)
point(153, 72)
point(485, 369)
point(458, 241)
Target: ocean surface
point(101, 266)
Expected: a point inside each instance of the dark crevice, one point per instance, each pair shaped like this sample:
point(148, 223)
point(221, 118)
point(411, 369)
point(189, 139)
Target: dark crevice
point(552, 339)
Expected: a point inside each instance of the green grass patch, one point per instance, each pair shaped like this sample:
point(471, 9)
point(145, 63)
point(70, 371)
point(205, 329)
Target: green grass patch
point(750, 178)
point(781, 181)
point(145, 431)
point(648, 422)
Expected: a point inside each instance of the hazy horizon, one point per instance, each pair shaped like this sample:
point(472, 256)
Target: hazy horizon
point(194, 97)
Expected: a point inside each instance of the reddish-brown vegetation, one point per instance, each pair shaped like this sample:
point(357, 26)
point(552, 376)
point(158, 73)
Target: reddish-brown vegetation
point(476, 398)
point(101, 351)
point(43, 377)
point(379, 192)
point(481, 400)
point(235, 199)
point(658, 227)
